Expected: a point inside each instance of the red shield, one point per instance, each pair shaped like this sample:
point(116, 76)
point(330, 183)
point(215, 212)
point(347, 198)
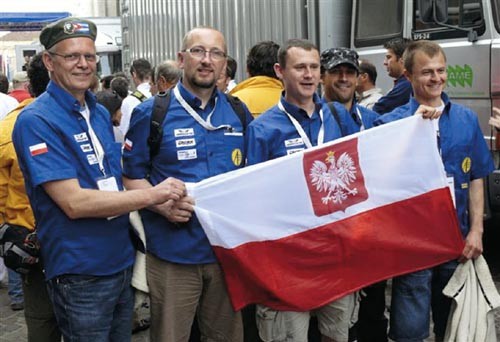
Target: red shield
point(334, 178)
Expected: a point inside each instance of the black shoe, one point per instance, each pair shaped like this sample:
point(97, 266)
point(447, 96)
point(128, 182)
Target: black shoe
point(141, 325)
point(17, 306)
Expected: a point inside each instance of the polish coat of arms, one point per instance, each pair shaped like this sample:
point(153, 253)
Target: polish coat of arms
point(334, 177)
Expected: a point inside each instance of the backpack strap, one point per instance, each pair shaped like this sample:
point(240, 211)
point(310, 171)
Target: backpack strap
point(138, 95)
point(160, 109)
point(335, 114)
point(239, 109)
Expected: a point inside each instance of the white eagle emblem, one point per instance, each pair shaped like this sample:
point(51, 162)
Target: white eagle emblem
point(335, 179)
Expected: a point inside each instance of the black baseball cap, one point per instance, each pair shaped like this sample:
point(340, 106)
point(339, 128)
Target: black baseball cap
point(336, 56)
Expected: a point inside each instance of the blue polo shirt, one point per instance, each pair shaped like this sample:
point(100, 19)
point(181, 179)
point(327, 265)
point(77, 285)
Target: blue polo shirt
point(464, 152)
point(52, 142)
point(397, 96)
point(190, 153)
point(272, 135)
point(368, 116)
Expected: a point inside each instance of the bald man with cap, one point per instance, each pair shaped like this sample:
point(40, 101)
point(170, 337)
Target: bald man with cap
point(71, 165)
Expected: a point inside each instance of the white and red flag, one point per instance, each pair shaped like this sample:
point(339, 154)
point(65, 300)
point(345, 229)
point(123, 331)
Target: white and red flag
point(298, 232)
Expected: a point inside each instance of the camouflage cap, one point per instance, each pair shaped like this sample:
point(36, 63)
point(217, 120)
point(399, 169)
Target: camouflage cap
point(336, 56)
point(67, 28)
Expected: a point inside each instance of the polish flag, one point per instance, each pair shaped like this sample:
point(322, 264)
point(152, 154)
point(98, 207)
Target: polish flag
point(298, 232)
point(38, 149)
point(128, 145)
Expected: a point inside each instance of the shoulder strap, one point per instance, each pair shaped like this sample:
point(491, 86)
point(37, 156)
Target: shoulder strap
point(138, 95)
point(335, 114)
point(239, 109)
point(160, 109)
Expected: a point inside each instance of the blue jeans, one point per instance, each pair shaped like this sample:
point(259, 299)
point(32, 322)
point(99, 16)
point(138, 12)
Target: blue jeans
point(414, 295)
point(15, 287)
point(93, 308)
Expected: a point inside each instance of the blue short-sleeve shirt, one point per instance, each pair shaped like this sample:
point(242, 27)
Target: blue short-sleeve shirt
point(272, 135)
point(462, 146)
point(190, 153)
point(52, 142)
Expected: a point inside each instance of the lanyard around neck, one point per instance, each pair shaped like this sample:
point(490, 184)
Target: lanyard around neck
point(205, 124)
point(300, 130)
point(94, 140)
point(360, 117)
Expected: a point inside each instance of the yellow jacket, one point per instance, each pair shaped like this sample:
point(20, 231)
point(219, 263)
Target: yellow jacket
point(14, 203)
point(259, 93)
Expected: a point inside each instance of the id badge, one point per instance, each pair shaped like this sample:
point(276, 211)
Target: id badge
point(451, 186)
point(107, 184)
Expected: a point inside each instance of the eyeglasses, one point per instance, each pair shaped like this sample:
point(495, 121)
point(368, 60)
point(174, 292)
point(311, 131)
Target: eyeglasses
point(199, 52)
point(76, 57)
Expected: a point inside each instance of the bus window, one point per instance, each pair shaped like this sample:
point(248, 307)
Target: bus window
point(377, 21)
point(495, 5)
point(462, 13)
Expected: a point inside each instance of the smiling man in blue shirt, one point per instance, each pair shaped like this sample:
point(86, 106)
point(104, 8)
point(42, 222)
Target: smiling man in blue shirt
point(202, 137)
point(299, 121)
point(71, 166)
point(467, 161)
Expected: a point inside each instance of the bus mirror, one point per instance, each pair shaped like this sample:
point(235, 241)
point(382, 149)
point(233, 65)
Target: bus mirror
point(433, 11)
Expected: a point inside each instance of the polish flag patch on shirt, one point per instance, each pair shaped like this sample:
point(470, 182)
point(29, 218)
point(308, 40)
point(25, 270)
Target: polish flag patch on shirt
point(128, 145)
point(38, 149)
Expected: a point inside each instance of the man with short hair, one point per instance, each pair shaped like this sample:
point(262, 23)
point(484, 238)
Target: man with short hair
point(120, 85)
point(368, 94)
point(393, 61)
point(167, 74)
point(15, 207)
point(202, 136)
point(467, 161)
point(226, 81)
point(20, 83)
point(262, 89)
point(141, 71)
point(71, 166)
point(299, 121)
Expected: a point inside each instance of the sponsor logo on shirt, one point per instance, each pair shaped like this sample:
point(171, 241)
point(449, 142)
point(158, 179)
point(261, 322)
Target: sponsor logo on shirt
point(294, 150)
point(185, 142)
point(92, 159)
point(183, 132)
point(81, 137)
point(38, 149)
point(86, 148)
point(187, 154)
point(294, 142)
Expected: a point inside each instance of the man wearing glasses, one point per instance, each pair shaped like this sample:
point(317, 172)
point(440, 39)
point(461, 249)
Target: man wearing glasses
point(202, 137)
point(71, 166)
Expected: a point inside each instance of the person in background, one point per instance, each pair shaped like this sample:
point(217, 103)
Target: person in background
point(39, 314)
point(7, 103)
point(141, 74)
point(112, 102)
point(121, 86)
point(167, 74)
point(20, 83)
point(467, 160)
point(72, 170)
point(106, 82)
point(393, 61)
point(226, 81)
point(495, 122)
point(262, 89)
point(368, 94)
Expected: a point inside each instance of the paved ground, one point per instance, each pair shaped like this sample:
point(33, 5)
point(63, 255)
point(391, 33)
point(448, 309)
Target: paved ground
point(13, 328)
